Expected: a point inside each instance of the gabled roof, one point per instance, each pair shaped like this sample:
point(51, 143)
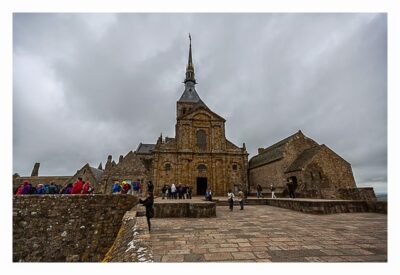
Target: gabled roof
point(96, 173)
point(273, 152)
point(145, 148)
point(303, 159)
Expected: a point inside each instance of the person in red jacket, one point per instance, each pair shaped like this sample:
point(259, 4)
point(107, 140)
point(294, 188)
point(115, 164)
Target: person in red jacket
point(86, 187)
point(77, 188)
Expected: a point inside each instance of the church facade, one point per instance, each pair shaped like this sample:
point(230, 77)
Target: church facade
point(199, 155)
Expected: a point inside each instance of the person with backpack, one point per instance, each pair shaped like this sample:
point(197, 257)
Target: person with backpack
point(116, 189)
point(148, 203)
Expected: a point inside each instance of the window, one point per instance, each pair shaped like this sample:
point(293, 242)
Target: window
point(234, 167)
point(184, 111)
point(167, 167)
point(312, 175)
point(201, 139)
point(201, 168)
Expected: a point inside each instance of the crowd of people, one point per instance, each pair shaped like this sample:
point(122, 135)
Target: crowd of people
point(176, 192)
point(79, 187)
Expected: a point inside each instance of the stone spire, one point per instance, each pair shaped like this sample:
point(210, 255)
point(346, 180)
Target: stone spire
point(190, 67)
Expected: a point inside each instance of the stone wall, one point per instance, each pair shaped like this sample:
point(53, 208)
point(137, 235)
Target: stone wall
point(66, 228)
point(328, 206)
point(365, 193)
point(132, 243)
point(185, 210)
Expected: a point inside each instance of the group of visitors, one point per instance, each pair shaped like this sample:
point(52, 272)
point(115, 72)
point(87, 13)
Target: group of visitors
point(176, 192)
point(231, 199)
point(79, 187)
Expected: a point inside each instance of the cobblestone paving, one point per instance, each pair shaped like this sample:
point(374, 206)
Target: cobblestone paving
point(271, 234)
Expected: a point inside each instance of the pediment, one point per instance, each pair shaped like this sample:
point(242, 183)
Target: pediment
point(203, 114)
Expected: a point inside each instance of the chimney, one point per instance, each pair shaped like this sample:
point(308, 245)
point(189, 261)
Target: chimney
point(35, 170)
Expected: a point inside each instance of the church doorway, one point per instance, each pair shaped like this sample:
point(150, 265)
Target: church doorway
point(201, 186)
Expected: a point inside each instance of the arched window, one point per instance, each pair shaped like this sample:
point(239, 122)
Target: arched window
point(201, 139)
point(201, 168)
point(167, 167)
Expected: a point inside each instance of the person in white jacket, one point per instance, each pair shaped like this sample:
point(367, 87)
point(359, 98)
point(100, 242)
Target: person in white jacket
point(231, 196)
point(173, 191)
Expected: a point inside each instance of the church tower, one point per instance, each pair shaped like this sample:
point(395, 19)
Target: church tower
point(189, 98)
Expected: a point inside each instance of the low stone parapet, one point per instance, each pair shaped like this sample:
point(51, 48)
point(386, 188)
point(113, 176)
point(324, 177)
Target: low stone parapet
point(319, 206)
point(184, 209)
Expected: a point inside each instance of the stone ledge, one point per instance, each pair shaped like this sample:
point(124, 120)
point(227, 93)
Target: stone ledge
point(184, 209)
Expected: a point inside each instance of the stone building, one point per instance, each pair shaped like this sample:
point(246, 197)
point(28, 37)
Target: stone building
point(91, 174)
point(199, 155)
point(129, 168)
point(316, 170)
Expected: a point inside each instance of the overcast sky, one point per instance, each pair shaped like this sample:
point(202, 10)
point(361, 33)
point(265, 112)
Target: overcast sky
point(88, 85)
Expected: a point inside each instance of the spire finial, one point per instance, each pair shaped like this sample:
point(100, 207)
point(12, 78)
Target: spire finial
point(190, 67)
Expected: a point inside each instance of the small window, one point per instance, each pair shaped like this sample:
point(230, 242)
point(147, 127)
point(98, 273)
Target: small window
point(167, 167)
point(201, 139)
point(184, 111)
point(234, 167)
point(312, 175)
point(320, 175)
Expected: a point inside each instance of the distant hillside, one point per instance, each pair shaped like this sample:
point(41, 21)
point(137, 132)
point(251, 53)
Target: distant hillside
point(381, 196)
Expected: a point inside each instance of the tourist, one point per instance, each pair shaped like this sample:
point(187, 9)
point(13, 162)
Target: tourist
point(230, 199)
point(40, 189)
point(125, 187)
point(163, 191)
point(241, 199)
point(189, 192)
point(290, 187)
point(209, 195)
point(86, 186)
point(19, 190)
point(259, 191)
point(136, 187)
point(148, 203)
point(67, 189)
point(273, 192)
point(139, 187)
point(150, 187)
point(77, 187)
point(180, 191)
point(25, 188)
point(173, 191)
point(169, 194)
point(116, 189)
point(53, 189)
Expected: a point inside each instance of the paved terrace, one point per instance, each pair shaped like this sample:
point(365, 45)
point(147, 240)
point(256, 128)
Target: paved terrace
point(271, 234)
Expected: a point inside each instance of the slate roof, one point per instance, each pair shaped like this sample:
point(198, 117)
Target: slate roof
point(271, 153)
point(96, 173)
point(190, 96)
point(303, 159)
point(145, 148)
